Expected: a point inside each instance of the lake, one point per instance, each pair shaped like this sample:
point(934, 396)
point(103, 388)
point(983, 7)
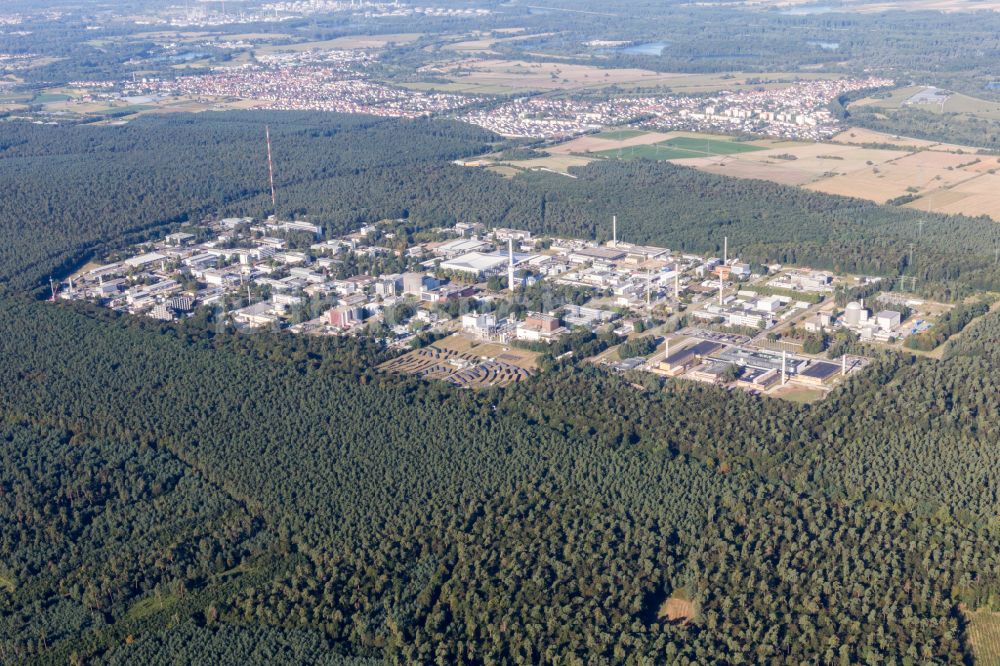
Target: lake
point(645, 48)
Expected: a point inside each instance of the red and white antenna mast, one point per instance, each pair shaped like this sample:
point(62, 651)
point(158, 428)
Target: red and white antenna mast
point(270, 168)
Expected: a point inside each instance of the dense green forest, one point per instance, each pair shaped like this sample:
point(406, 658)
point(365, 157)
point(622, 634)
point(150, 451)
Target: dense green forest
point(960, 128)
point(385, 518)
point(175, 491)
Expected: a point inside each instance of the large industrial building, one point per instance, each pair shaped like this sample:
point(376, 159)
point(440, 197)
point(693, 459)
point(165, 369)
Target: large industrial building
point(481, 265)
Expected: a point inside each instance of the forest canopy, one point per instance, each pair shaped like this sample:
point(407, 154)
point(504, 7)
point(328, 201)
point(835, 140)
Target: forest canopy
point(175, 489)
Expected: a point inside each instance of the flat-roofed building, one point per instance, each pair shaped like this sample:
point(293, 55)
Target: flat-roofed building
point(141, 260)
point(460, 246)
point(478, 264)
point(688, 357)
point(345, 316)
point(538, 326)
point(589, 254)
point(888, 320)
point(817, 373)
point(180, 238)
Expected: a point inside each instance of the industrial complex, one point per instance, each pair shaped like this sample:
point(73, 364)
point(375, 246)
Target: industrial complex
point(712, 319)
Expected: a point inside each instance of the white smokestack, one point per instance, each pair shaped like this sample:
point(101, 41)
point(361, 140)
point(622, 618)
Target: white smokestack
point(614, 231)
point(510, 264)
point(725, 249)
point(784, 378)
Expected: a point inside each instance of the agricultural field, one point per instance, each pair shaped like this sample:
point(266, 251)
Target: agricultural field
point(595, 143)
point(620, 134)
point(858, 136)
point(559, 163)
point(919, 174)
point(466, 362)
point(471, 75)
point(682, 148)
point(984, 636)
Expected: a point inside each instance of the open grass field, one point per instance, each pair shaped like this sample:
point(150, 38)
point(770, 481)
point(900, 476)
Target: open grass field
point(711, 145)
point(656, 151)
point(505, 171)
point(151, 604)
point(860, 136)
point(799, 394)
point(560, 163)
point(351, 42)
point(595, 143)
point(482, 42)
point(460, 88)
point(956, 103)
point(523, 76)
point(684, 147)
point(984, 636)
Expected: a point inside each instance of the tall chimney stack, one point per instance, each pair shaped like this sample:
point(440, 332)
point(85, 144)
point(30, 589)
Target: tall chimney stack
point(510, 264)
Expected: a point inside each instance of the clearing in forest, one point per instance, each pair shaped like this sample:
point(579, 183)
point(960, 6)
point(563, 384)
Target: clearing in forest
point(676, 610)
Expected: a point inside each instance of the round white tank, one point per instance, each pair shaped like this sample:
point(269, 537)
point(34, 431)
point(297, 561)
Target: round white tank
point(852, 314)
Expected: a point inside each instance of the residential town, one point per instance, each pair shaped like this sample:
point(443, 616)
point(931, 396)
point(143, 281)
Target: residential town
point(326, 80)
point(477, 306)
point(799, 111)
point(338, 80)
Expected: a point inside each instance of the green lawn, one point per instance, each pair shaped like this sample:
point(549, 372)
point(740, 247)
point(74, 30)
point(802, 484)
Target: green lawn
point(45, 98)
point(711, 146)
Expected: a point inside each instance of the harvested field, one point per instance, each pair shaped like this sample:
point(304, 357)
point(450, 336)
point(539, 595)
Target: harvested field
point(602, 142)
point(984, 636)
point(520, 75)
point(942, 177)
point(778, 171)
point(685, 147)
